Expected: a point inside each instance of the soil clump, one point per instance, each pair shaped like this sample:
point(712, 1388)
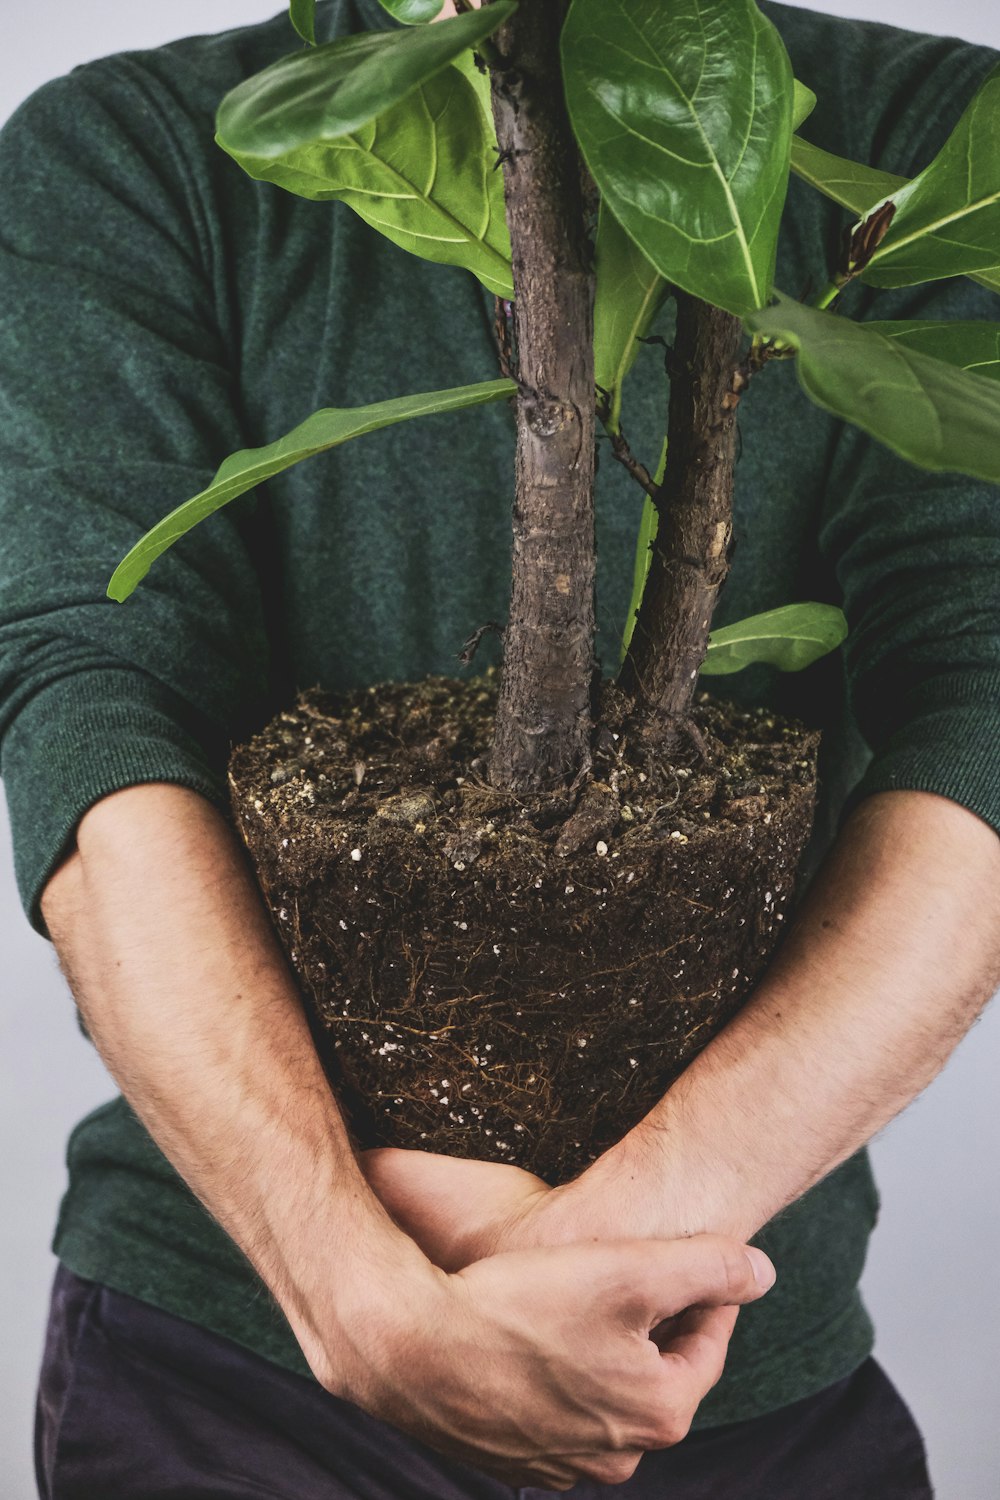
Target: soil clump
point(517, 978)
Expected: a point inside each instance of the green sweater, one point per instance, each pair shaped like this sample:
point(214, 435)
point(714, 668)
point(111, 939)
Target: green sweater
point(158, 310)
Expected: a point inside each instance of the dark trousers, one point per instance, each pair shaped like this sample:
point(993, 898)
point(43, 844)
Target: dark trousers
point(136, 1403)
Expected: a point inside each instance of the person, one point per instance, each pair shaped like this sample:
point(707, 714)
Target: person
point(243, 1306)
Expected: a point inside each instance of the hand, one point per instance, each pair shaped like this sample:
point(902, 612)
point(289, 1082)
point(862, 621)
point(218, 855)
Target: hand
point(458, 1211)
point(538, 1366)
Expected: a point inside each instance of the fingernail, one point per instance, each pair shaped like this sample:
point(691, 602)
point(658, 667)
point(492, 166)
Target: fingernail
point(763, 1272)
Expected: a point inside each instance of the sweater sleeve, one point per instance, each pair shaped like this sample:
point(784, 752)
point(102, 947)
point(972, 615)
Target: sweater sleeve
point(917, 554)
point(116, 403)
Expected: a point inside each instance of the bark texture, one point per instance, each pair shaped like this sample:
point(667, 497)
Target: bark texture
point(690, 558)
point(543, 722)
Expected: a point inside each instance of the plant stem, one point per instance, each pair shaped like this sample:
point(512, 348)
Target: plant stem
point(690, 554)
point(623, 453)
point(543, 724)
point(829, 294)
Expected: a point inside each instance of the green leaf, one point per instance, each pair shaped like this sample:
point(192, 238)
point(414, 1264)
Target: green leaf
point(311, 98)
point(628, 293)
point(303, 17)
point(466, 64)
point(423, 174)
point(683, 113)
point(858, 187)
point(649, 525)
point(803, 103)
point(989, 279)
point(480, 80)
point(242, 471)
point(789, 638)
point(971, 346)
point(848, 183)
point(935, 415)
point(947, 220)
point(412, 12)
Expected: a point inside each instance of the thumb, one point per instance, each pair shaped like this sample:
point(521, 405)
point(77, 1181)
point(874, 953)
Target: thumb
point(707, 1270)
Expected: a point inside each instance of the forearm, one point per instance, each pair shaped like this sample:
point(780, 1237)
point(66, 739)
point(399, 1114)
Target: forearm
point(185, 991)
point(893, 955)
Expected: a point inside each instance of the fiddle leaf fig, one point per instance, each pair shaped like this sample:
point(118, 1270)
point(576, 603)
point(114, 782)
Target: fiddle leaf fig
point(303, 17)
point(931, 412)
point(789, 638)
point(628, 293)
point(242, 471)
point(947, 220)
point(412, 12)
point(310, 99)
point(421, 173)
point(683, 113)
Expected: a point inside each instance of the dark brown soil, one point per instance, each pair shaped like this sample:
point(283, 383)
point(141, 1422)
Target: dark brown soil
point(518, 979)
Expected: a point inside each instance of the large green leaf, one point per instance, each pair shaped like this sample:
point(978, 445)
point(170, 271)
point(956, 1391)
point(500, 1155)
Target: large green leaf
point(971, 346)
point(412, 12)
point(310, 98)
point(947, 220)
point(932, 413)
point(628, 293)
point(790, 638)
point(303, 17)
point(683, 112)
point(242, 471)
point(423, 174)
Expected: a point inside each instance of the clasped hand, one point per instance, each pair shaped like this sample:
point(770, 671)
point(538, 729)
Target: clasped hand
point(633, 1333)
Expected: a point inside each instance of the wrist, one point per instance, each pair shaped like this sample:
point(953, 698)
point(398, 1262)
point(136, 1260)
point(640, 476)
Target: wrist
point(643, 1187)
point(606, 1202)
point(350, 1305)
point(671, 1186)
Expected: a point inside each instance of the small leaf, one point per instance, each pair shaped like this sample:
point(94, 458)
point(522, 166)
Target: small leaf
point(947, 220)
point(422, 174)
point(930, 412)
point(649, 525)
point(303, 17)
point(803, 103)
point(858, 188)
point(789, 638)
point(970, 346)
point(242, 471)
point(412, 12)
point(628, 293)
point(849, 183)
point(683, 113)
point(311, 98)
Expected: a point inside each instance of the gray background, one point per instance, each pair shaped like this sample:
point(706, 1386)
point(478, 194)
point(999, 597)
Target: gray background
point(931, 1280)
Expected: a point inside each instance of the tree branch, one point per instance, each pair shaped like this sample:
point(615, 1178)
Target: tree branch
point(543, 721)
